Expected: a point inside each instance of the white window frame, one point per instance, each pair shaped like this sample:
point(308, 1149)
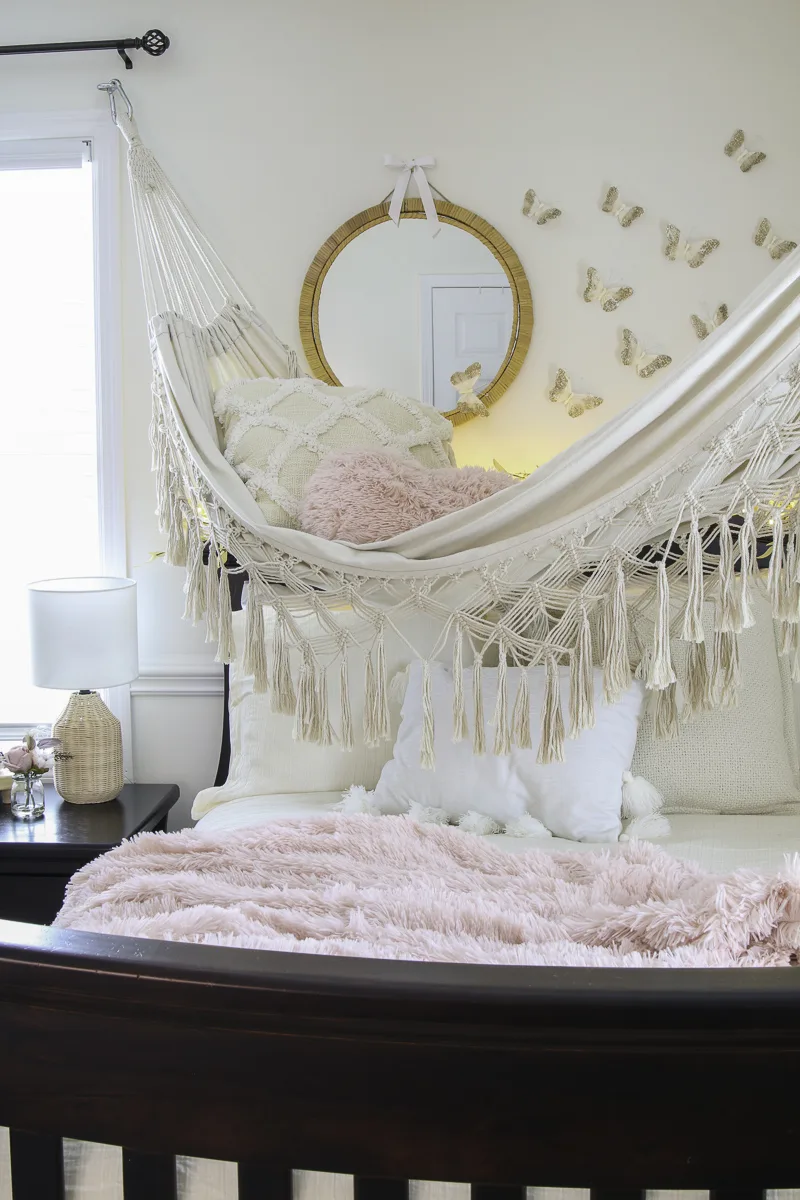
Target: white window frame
point(96, 127)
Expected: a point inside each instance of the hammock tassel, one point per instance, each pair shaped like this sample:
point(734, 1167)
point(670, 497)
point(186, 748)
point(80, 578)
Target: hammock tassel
point(346, 731)
point(176, 548)
point(478, 726)
point(212, 595)
point(460, 730)
point(726, 616)
point(616, 665)
point(307, 714)
point(282, 694)
point(255, 648)
point(502, 733)
point(325, 729)
point(377, 724)
point(551, 746)
point(776, 567)
point(660, 673)
point(788, 589)
point(581, 691)
point(427, 756)
point(727, 672)
point(699, 694)
point(195, 584)
point(747, 565)
point(521, 717)
point(693, 631)
point(667, 712)
point(226, 646)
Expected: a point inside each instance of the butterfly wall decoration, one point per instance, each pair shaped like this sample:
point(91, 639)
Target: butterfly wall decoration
point(694, 253)
point(537, 210)
point(704, 328)
point(634, 355)
point(776, 246)
point(609, 299)
point(626, 214)
point(745, 159)
point(576, 403)
point(464, 383)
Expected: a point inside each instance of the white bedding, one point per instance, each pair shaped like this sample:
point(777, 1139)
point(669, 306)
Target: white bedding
point(717, 843)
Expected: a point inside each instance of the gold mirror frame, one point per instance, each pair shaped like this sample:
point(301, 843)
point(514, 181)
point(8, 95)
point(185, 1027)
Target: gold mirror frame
point(451, 214)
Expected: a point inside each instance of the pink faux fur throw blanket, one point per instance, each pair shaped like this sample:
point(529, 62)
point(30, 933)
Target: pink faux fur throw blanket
point(389, 888)
point(370, 495)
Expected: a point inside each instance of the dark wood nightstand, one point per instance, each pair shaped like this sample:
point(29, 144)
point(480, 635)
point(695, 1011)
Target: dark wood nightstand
point(38, 858)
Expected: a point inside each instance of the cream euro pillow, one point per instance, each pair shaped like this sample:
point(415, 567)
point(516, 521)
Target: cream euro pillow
point(741, 760)
point(579, 799)
point(276, 431)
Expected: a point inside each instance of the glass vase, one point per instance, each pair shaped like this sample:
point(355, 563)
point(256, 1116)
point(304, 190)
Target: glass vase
point(27, 797)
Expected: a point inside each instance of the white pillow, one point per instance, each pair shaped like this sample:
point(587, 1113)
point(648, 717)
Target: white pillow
point(265, 758)
point(276, 431)
point(733, 760)
point(578, 799)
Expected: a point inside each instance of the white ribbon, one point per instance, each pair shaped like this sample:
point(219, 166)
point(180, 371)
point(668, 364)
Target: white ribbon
point(407, 168)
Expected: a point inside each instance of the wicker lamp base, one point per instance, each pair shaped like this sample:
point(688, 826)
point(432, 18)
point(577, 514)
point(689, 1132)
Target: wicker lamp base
point(92, 736)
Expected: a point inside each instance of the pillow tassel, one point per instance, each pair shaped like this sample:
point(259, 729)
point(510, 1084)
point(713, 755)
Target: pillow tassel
point(346, 731)
point(226, 647)
point(747, 565)
point(616, 664)
point(502, 734)
point(282, 695)
point(521, 717)
point(727, 672)
point(776, 567)
point(478, 727)
point(661, 674)
point(255, 649)
point(551, 745)
point(699, 693)
point(427, 755)
point(460, 729)
point(726, 621)
point(667, 712)
point(693, 631)
point(639, 797)
point(581, 692)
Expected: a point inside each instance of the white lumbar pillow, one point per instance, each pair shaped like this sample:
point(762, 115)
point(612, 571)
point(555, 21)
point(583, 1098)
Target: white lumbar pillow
point(276, 431)
point(580, 798)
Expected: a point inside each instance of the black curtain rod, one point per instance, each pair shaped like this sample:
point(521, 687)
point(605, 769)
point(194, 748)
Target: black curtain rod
point(154, 42)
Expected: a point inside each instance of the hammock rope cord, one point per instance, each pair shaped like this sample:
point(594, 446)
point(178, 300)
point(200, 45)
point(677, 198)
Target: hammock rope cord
point(611, 583)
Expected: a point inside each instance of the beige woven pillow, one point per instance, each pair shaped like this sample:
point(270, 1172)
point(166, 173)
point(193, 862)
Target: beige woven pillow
point(276, 431)
point(737, 760)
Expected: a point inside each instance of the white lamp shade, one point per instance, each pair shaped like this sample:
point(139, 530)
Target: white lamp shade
point(83, 633)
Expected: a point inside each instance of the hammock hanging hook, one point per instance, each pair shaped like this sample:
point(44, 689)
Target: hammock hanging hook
point(111, 87)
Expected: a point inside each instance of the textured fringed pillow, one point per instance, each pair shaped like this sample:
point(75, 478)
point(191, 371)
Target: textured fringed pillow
point(369, 495)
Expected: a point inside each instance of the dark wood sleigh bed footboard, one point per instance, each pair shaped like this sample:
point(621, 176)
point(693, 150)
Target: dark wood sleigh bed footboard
point(499, 1076)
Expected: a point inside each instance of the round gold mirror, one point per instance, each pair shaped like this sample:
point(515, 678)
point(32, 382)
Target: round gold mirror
point(387, 305)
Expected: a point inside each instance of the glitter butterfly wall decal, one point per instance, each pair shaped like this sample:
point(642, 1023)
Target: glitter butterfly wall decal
point(576, 403)
point(694, 253)
point(609, 299)
point(626, 214)
point(643, 363)
point(537, 210)
point(464, 383)
point(776, 246)
point(704, 328)
point(745, 159)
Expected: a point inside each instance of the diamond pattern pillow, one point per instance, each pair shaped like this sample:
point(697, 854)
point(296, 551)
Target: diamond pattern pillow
point(276, 431)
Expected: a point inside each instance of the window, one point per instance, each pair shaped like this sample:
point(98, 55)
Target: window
point(56, 453)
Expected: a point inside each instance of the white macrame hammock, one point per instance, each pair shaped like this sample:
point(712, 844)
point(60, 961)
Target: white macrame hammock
point(603, 556)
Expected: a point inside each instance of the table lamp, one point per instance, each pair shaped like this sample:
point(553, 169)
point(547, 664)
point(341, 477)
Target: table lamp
point(83, 637)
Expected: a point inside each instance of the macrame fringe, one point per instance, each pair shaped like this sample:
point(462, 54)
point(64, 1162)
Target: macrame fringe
point(326, 736)
point(693, 631)
point(255, 647)
point(748, 563)
point(787, 587)
point(377, 720)
point(346, 730)
point(727, 673)
point(726, 615)
point(660, 674)
point(195, 585)
point(777, 561)
point(212, 596)
point(502, 733)
point(427, 752)
point(581, 690)
point(478, 726)
point(460, 729)
point(521, 716)
point(307, 725)
point(699, 693)
point(667, 712)
point(616, 663)
point(551, 745)
point(226, 646)
point(282, 694)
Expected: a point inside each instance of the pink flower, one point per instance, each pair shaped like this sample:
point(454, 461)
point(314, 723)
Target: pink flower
point(19, 759)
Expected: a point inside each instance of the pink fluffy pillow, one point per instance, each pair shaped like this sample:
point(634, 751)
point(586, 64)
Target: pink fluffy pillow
point(370, 495)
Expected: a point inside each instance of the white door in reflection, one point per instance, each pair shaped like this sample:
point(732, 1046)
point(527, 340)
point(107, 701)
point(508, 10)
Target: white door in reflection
point(463, 319)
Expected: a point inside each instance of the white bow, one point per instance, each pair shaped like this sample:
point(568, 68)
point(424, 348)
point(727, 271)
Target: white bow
point(412, 166)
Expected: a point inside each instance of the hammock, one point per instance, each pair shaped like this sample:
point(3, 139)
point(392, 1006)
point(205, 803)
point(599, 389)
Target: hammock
point(605, 555)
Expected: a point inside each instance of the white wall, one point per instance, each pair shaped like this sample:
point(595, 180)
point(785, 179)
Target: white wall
point(273, 118)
